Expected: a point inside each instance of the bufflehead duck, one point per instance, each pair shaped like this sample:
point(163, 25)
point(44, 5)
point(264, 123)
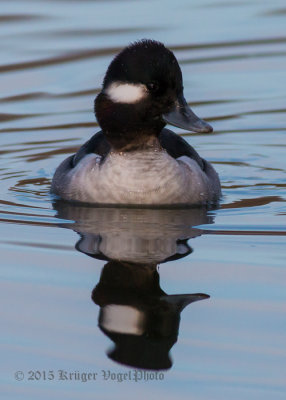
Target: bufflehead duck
point(134, 159)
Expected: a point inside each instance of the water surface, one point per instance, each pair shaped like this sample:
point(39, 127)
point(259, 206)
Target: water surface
point(231, 345)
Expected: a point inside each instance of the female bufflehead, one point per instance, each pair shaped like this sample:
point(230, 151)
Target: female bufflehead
point(134, 159)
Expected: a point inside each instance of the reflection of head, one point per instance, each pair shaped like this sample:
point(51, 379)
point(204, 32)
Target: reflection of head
point(137, 315)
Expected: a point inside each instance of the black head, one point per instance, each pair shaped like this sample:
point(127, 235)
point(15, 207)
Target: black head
point(142, 90)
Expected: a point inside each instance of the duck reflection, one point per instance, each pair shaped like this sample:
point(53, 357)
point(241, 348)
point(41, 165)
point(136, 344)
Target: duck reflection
point(135, 313)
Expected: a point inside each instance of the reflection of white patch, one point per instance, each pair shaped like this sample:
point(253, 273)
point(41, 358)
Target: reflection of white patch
point(120, 92)
point(122, 319)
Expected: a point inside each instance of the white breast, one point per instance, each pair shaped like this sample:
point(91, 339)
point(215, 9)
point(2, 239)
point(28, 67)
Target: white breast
point(138, 178)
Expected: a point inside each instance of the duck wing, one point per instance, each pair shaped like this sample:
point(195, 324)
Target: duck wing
point(177, 147)
point(97, 144)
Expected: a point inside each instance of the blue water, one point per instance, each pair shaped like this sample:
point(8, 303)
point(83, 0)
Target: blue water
point(231, 345)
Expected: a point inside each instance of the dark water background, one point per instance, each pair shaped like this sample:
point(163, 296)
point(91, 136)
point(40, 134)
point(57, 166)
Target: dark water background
point(233, 57)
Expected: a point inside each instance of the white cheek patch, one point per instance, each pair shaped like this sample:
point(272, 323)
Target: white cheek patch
point(122, 319)
point(128, 93)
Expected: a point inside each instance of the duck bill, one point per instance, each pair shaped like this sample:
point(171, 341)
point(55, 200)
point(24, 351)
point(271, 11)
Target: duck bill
point(183, 117)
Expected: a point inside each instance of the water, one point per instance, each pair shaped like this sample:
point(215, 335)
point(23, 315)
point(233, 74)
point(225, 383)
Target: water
point(231, 345)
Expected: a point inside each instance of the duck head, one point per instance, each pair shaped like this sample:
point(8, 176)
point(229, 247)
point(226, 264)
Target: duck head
point(142, 92)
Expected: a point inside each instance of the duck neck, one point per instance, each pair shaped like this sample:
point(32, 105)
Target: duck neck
point(143, 143)
point(128, 127)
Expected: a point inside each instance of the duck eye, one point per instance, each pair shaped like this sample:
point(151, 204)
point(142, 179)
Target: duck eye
point(152, 86)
